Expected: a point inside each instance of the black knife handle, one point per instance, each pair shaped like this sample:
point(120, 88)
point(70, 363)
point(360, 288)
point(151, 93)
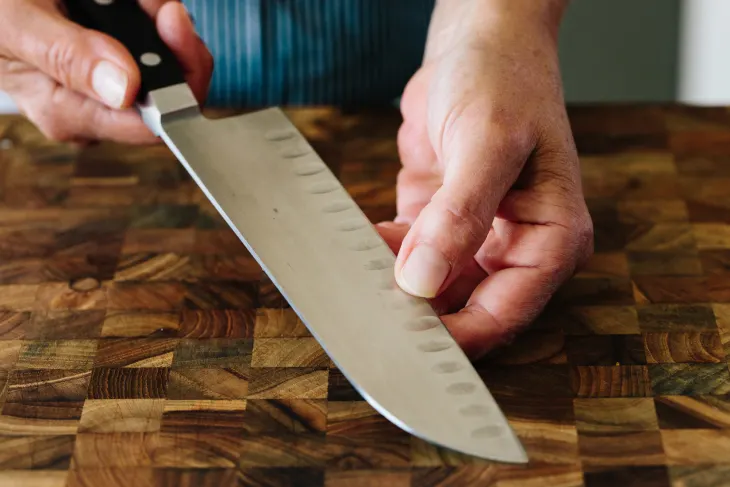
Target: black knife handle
point(125, 21)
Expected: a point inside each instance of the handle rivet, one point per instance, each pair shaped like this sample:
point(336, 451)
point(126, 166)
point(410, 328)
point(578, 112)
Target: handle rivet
point(150, 59)
point(104, 2)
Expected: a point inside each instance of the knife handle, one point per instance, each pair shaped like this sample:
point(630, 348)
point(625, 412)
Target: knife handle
point(125, 21)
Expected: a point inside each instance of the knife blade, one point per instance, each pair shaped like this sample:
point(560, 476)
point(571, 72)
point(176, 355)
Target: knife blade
point(318, 248)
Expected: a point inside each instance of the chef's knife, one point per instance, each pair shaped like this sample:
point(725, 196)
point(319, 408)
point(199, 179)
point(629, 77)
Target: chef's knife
point(318, 248)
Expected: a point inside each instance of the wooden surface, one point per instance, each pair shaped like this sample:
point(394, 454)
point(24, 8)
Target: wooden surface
point(141, 345)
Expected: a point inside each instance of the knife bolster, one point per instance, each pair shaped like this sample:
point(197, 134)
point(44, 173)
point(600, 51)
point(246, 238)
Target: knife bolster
point(164, 105)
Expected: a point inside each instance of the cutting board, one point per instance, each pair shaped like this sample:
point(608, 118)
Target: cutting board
point(141, 345)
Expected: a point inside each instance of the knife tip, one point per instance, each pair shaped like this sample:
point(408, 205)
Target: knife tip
point(518, 454)
point(507, 450)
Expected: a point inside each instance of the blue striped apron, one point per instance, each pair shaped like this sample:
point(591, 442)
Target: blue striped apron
point(290, 52)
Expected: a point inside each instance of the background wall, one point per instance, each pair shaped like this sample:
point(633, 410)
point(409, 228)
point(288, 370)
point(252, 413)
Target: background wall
point(620, 50)
point(640, 51)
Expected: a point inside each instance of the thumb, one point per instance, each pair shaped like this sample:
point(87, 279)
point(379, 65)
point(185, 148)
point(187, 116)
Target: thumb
point(481, 162)
point(83, 60)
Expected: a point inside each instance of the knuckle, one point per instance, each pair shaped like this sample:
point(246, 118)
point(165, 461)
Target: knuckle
point(406, 139)
point(563, 262)
point(508, 137)
point(557, 266)
point(467, 224)
point(209, 61)
point(554, 176)
point(60, 58)
point(585, 237)
point(508, 131)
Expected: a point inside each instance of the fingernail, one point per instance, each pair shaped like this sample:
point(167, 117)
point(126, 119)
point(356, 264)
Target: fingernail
point(424, 272)
point(110, 83)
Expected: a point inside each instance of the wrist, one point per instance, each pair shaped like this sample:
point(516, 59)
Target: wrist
point(475, 21)
point(544, 16)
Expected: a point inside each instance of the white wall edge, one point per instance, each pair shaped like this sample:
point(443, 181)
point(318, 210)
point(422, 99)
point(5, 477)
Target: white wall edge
point(704, 53)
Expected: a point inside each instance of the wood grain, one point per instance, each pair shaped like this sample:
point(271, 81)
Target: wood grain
point(135, 352)
point(313, 450)
point(599, 320)
point(157, 296)
point(685, 263)
point(82, 294)
point(691, 347)
point(280, 477)
point(209, 383)
point(141, 344)
point(359, 420)
point(155, 267)
point(210, 416)
point(37, 478)
point(13, 324)
point(691, 412)
point(629, 477)
point(533, 348)
point(57, 354)
point(606, 264)
point(18, 297)
point(633, 448)
point(615, 415)
point(698, 446)
point(293, 383)
point(47, 418)
point(211, 295)
point(281, 416)
point(605, 350)
point(288, 352)
point(212, 352)
point(121, 416)
point(455, 476)
point(9, 352)
point(40, 452)
point(371, 478)
point(690, 379)
point(688, 475)
point(37, 386)
point(158, 240)
point(124, 450)
point(132, 324)
point(122, 383)
point(217, 323)
point(617, 381)
point(279, 323)
point(676, 318)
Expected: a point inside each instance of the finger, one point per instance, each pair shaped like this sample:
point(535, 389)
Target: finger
point(393, 233)
point(86, 61)
point(551, 227)
point(152, 7)
point(65, 115)
point(414, 190)
point(481, 161)
point(177, 31)
point(419, 178)
point(500, 307)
